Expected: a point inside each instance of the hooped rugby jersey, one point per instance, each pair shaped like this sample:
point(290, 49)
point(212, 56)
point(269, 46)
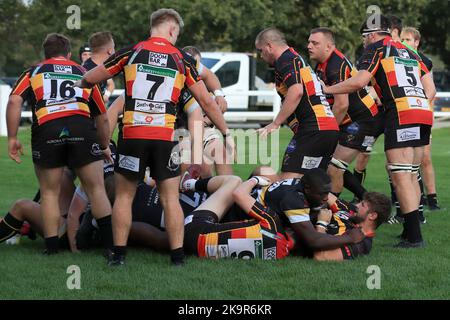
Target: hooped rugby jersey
point(337, 68)
point(313, 113)
point(155, 72)
point(48, 88)
point(396, 73)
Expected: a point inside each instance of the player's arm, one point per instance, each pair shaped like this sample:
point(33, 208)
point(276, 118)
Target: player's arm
point(340, 107)
point(322, 241)
point(212, 83)
point(355, 83)
point(195, 127)
point(114, 111)
point(428, 86)
point(209, 105)
point(77, 207)
point(112, 66)
point(109, 89)
point(13, 113)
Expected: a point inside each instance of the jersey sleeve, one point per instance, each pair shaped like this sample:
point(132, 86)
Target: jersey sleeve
point(353, 251)
point(295, 209)
point(337, 73)
point(96, 103)
point(290, 72)
point(370, 59)
point(116, 62)
point(22, 87)
point(190, 69)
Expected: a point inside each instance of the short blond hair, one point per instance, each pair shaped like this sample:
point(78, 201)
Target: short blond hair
point(413, 31)
point(160, 16)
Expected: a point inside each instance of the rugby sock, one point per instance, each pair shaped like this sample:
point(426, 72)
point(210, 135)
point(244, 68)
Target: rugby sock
point(202, 184)
point(432, 200)
point(52, 245)
point(120, 250)
point(422, 196)
point(189, 185)
point(353, 184)
point(394, 199)
point(360, 175)
point(412, 225)
point(177, 256)
point(105, 230)
point(9, 226)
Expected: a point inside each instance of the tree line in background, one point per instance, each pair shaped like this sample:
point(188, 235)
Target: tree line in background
point(223, 25)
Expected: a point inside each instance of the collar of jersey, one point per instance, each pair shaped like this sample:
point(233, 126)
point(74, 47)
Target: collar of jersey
point(159, 39)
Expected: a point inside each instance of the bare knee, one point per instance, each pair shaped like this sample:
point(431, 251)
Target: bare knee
point(21, 207)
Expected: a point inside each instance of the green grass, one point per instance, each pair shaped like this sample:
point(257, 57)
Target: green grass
point(415, 274)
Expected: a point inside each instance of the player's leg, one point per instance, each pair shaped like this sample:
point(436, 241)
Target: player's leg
point(342, 157)
point(429, 179)
point(400, 163)
point(91, 177)
point(22, 210)
point(145, 234)
point(50, 186)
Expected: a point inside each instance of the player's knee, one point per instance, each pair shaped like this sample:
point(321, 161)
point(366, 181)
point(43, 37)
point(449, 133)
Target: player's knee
point(339, 164)
point(20, 207)
point(233, 181)
point(395, 168)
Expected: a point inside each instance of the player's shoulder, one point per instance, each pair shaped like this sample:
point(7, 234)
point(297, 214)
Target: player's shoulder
point(294, 199)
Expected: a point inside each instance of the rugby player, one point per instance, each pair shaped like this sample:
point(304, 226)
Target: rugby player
point(293, 200)
point(304, 107)
point(353, 112)
point(155, 72)
point(404, 85)
point(102, 47)
point(63, 134)
point(411, 37)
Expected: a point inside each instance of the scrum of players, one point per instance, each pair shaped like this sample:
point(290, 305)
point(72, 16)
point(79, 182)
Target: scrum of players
point(147, 195)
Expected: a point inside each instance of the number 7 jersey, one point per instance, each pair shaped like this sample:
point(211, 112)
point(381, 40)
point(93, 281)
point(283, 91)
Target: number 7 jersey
point(155, 72)
point(397, 73)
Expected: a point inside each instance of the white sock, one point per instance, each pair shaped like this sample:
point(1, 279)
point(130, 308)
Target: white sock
point(189, 184)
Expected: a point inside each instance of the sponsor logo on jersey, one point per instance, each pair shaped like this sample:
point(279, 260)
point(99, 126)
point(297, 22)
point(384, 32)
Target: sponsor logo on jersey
point(403, 53)
point(311, 162)
point(414, 91)
point(270, 253)
point(129, 163)
point(149, 106)
point(157, 59)
point(62, 69)
point(408, 134)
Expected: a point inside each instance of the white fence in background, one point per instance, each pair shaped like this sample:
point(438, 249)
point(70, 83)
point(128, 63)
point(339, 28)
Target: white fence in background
point(235, 116)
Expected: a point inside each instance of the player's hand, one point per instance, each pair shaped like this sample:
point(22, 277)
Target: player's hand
point(107, 155)
point(356, 235)
point(223, 105)
point(324, 86)
point(261, 181)
point(264, 132)
point(77, 84)
point(324, 215)
point(15, 149)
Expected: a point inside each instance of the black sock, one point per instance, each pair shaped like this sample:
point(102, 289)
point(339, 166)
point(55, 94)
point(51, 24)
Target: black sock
point(361, 176)
point(422, 193)
point(202, 185)
point(432, 199)
point(120, 250)
point(105, 229)
point(9, 226)
point(177, 256)
point(52, 245)
point(412, 224)
point(353, 184)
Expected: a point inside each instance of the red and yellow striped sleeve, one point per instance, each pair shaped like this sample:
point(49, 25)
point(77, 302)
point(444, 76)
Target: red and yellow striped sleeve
point(116, 62)
point(22, 84)
point(96, 103)
point(191, 71)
